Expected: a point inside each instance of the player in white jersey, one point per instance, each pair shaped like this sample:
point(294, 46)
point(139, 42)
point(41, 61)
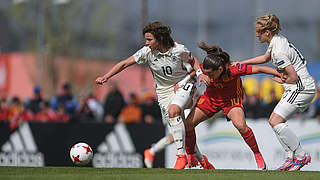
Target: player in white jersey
point(299, 87)
point(167, 61)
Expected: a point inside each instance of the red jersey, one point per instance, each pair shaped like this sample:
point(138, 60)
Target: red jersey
point(224, 93)
point(229, 85)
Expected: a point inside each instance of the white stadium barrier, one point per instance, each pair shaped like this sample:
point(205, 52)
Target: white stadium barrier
point(226, 149)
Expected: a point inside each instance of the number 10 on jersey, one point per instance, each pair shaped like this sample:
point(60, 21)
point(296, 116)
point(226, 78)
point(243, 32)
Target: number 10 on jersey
point(166, 70)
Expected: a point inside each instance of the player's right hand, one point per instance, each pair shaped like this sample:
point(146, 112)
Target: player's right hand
point(101, 80)
point(203, 78)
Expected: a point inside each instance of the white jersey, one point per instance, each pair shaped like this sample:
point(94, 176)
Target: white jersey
point(167, 68)
point(283, 54)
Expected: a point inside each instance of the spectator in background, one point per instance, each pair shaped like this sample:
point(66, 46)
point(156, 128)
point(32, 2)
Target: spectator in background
point(252, 107)
point(33, 103)
point(132, 113)
point(66, 100)
point(4, 111)
point(47, 113)
point(113, 103)
point(151, 112)
point(18, 113)
point(268, 108)
point(91, 109)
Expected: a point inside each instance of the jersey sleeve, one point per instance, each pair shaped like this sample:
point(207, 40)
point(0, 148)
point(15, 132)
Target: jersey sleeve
point(141, 56)
point(184, 53)
point(281, 60)
point(240, 69)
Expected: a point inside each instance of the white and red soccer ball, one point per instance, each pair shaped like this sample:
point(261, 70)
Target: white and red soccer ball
point(81, 154)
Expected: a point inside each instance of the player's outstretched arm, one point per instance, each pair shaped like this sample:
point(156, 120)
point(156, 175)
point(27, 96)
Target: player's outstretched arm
point(266, 70)
point(116, 69)
point(278, 76)
point(258, 60)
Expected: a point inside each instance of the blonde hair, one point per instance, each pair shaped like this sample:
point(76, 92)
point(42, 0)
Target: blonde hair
point(269, 22)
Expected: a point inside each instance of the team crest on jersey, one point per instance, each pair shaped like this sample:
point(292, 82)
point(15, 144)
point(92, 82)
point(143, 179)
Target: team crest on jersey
point(201, 101)
point(174, 58)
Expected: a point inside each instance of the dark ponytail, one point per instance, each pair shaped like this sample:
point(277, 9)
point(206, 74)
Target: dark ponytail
point(215, 58)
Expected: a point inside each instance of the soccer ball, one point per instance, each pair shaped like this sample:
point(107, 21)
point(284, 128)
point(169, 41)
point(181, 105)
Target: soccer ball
point(81, 154)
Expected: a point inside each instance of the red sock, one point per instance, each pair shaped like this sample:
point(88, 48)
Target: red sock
point(190, 141)
point(250, 140)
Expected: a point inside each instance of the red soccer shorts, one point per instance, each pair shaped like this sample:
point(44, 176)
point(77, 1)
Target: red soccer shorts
point(211, 106)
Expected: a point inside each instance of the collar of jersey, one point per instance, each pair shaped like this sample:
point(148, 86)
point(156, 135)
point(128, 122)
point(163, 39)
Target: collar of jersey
point(168, 53)
point(273, 39)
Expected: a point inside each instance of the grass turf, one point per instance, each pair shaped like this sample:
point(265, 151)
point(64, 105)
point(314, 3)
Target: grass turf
point(76, 173)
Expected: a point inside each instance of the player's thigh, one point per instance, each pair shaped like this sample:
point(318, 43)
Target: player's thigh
point(195, 117)
point(236, 115)
point(184, 96)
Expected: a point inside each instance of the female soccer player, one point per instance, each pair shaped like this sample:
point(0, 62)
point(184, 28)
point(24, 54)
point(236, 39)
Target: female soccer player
point(168, 62)
point(224, 93)
point(299, 87)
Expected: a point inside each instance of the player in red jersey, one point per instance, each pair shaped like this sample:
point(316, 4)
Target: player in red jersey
point(224, 93)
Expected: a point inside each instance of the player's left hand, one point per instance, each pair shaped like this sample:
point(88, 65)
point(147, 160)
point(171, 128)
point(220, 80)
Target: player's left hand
point(203, 78)
point(176, 87)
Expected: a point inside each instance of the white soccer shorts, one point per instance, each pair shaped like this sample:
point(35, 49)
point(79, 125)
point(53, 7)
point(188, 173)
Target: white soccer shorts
point(293, 101)
point(182, 98)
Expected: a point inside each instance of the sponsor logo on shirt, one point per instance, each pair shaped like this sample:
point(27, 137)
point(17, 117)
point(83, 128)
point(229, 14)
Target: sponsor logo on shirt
point(280, 63)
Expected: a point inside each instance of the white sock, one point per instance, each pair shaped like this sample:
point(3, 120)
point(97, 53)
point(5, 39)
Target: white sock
point(178, 133)
point(198, 153)
point(160, 145)
point(288, 139)
point(285, 147)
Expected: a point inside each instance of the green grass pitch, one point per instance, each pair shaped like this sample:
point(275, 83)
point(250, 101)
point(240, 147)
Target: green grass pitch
point(85, 173)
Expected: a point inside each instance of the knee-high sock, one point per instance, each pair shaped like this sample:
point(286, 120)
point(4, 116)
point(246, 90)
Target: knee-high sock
point(190, 141)
point(191, 144)
point(285, 147)
point(288, 140)
point(250, 139)
point(160, 145)
point(178, 133)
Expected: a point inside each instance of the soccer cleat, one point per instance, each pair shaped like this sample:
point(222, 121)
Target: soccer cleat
point(287, 164)
point(148, 158)
point(181, 161)
point(260, 161)
point(298, 164)
point(206, 164)
point(192, 160)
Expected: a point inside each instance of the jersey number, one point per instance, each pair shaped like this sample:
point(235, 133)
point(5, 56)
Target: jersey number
point(166, 70)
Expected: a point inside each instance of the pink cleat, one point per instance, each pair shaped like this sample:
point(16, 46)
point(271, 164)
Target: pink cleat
point(298, 164)
point(287, 164)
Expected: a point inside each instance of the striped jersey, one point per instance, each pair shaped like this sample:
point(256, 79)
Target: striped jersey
point(283, 53)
